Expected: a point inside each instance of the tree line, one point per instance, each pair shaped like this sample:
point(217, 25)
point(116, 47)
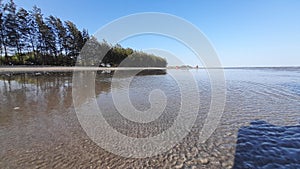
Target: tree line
point(118, 56)
point(104, 54)
point(29, 38)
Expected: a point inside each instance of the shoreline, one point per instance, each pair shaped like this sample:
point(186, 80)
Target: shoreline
point(24, 69)
point(70, 69)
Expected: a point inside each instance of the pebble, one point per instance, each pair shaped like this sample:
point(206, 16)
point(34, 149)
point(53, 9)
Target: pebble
point(189, 163)
point(204, 161)
point(16, 108)
point(179, 165)
point(226, 164)
point(194, 167)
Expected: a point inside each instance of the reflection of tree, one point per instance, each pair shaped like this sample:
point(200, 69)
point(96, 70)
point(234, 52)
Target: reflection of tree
point(39, 94)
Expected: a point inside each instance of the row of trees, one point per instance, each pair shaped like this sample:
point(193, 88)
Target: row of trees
point(97, 53)
point(118, 56)
point(27, 37)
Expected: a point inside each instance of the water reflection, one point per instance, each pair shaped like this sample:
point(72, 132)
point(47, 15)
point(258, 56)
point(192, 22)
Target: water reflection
point(39, 128)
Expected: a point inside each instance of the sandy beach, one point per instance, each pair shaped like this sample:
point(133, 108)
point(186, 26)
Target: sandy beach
point(40, 128)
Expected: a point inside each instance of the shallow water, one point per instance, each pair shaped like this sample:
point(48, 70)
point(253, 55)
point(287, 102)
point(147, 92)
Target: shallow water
point(39, 126)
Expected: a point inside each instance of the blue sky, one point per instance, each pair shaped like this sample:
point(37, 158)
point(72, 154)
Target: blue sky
point(244, 33)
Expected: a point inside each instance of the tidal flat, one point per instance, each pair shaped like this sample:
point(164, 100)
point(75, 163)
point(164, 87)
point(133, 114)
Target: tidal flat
point(259, 127)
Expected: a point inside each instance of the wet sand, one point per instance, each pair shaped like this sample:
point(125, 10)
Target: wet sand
point(39, 127)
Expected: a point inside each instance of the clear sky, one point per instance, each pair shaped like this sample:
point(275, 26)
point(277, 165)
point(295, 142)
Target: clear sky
point(244, 33)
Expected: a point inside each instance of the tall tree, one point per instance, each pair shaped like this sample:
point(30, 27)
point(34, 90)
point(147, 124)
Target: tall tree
point(62, 34)
point(23, 31)
point(85, 35)
point(74, 39)
point(59, 32)
point(10, 40)
point(34, 32)
point(1, 29)
point(47, 40)
point(52, 41)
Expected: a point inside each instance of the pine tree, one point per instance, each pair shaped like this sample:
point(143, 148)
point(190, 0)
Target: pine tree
point(1, 29)
point(47, 40)
point(23, 31)
point(74, 39)
point(50, 39)
point(54, 42)
point(62, 34)
point(59, 32)
point(34, 32)
point(10, 36)
point(85, 35)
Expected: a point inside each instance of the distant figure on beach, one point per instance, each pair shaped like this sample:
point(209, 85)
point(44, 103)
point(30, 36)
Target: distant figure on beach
point(197, 67)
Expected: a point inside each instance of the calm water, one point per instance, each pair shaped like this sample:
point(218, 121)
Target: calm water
point(259, 127)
